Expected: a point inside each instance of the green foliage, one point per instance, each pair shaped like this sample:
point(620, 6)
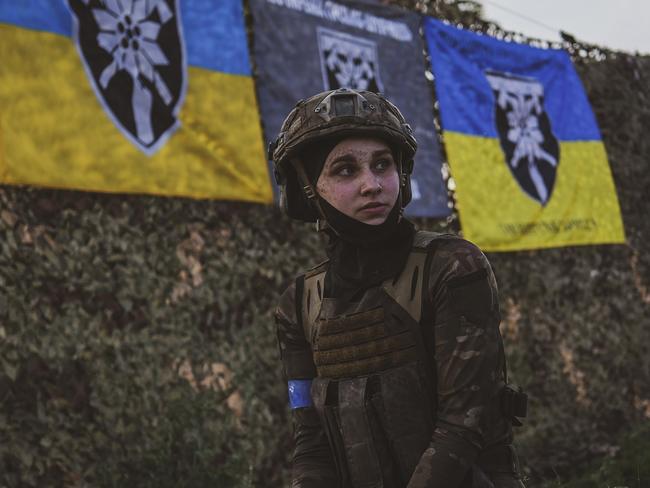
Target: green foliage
point(629, 467)
point(466, 12)
point(137, 342)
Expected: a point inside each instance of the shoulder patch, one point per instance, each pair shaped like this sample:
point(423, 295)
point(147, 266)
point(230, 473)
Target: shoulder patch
point(472, 296)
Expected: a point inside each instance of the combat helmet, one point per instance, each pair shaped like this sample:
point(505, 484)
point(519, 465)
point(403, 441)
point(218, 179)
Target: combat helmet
point(336, 114)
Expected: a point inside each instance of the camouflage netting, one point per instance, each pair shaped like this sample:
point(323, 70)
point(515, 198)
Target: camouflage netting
point(137, 346)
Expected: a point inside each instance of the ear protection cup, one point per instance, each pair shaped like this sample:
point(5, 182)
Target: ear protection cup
point(294, 201)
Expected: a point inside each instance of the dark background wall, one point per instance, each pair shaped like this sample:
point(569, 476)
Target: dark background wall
point(137, 346)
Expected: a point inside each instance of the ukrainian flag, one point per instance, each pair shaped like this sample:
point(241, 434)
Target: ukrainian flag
point(522, 142)
point(135, 96)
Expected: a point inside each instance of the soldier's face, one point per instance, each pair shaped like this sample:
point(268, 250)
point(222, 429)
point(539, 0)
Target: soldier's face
point(359, 178)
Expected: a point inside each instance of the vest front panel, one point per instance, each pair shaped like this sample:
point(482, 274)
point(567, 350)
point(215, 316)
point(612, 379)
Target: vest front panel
point(369, 391)
point(360, 340)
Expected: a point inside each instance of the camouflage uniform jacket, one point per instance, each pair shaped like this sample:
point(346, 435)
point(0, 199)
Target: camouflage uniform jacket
point(464, 427)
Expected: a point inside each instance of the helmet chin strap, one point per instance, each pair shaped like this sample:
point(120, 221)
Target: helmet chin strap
point(312, 195)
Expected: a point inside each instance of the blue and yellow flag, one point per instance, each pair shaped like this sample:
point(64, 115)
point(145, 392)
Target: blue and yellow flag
point(137, 96)
point(523, 144)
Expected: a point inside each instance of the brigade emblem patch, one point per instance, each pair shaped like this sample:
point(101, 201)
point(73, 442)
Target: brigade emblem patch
point(531, 150)
point(348, 61)
point(134, 56)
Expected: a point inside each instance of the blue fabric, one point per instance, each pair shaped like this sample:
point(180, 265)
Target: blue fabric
point(459, 59)
point(214, 31)
point(43, 15)
point(215, 35)
point(300, 394)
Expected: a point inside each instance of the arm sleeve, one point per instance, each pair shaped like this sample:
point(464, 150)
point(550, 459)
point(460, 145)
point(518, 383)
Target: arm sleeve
point(465, 341)
point(313, 465)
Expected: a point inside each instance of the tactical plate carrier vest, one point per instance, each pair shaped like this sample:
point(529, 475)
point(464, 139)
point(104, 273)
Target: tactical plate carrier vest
point(374, 390)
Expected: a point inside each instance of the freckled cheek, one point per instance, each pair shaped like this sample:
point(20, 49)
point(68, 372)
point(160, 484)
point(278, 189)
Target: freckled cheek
point(321, 189)
point(390, 184)
point(339, 196)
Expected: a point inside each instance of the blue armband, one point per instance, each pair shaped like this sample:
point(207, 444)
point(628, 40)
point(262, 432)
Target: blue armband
point(300, 394)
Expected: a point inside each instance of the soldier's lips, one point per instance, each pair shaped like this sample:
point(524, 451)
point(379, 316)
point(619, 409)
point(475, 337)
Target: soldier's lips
point(373, 208)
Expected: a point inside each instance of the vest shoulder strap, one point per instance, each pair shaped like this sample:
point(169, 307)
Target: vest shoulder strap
point(312, 297)
point(407, 288)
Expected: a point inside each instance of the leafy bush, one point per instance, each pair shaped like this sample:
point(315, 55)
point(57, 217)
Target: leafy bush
point(628, 468)
point(137, 345)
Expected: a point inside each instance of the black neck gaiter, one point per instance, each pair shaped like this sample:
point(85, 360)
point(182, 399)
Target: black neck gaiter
point(363, 255)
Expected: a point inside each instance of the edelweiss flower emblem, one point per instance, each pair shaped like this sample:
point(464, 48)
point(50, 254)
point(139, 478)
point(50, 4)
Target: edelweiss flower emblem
point(140, 45)
point(348, 61)
point(525, 133)
point(531, 149)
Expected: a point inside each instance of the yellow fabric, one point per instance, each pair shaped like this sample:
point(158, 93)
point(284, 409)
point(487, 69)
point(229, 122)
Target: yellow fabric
point(54, 132)
point(498, 216)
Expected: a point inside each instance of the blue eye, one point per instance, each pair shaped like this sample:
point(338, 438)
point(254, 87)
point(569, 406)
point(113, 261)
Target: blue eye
point(383, 164)
point(345, 170)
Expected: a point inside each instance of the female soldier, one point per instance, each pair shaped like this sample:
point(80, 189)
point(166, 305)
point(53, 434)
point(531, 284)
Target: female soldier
point(391, 347)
